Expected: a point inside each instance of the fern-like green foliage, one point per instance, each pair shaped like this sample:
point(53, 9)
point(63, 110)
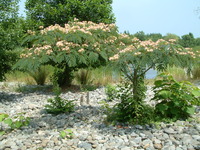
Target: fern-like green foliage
point(58, 105)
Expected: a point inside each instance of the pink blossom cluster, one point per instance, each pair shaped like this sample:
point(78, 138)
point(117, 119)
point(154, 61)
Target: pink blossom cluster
point(84, 26)
point(143, 47)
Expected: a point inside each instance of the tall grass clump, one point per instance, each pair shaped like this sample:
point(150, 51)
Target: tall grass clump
point(179, 74)
point(105, 75)
point(83, 77)
point(19, 76)
point(40, 75)
point(196, 72)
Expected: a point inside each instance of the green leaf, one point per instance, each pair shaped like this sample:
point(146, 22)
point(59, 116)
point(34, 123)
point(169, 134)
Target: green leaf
point(93, 57)
point(63, 134)
point(3, 116)
point(174, 111)
point(158, 83)
point(69, 130)
point(103, 54)
point(44, 58)
point(2, 133)
point(177, 103)
point(59, 58)
point(18, 124)
point(162, 107)
point(71, 60)
point(165, 94)
point(196, 92)
point(8, 121)
point(190, 110)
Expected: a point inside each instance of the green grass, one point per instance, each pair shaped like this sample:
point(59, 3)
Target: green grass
point(19, 76)
point(98, 77)
point(196, 72)
point(105, 75)
point(178, 73)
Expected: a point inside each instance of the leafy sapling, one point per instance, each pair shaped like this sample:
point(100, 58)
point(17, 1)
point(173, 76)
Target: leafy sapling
point(176, 100)
point(58, 105)
point(16, 123)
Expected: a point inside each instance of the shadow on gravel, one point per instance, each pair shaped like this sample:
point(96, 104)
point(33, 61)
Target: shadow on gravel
point(81, 116)
point(17, 93)
point(26, 89)
point(84, 116)
point(10, 97)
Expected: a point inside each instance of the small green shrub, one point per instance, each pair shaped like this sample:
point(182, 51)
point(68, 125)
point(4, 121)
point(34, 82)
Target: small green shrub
point(175, 99)
point(66, 134)
point(16, 123)
point(58, 105)
point(128, 110)
point(110, 92)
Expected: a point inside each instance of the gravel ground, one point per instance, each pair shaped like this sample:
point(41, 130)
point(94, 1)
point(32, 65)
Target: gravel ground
point(86, 123)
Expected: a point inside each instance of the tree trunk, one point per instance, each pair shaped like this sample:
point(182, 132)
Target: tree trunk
point(63, 76)
point(138, 87)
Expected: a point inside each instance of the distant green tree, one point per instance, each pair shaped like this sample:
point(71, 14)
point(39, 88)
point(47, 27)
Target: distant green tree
point(141, 35)
point(197, 41)
point(187, 40)
point(154, 36)
point(169, 36)
point(10, 34)
point(52, 12)
point(8, 10)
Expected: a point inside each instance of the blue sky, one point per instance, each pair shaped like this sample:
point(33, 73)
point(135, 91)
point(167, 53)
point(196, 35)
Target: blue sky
point(155, 16)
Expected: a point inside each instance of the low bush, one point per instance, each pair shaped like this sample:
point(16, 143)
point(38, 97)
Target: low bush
point(175, 99)
point(16, 123)
point(58, 105)
point(128, 110)
point(179, 74)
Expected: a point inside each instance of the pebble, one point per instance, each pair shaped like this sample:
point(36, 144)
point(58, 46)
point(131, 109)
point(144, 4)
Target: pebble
point(88, 128)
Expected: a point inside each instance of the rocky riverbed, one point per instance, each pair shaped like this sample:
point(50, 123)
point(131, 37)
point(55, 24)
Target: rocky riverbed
point(86, 123)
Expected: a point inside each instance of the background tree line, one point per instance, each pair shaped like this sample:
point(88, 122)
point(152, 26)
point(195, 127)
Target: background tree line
point(186, 40)
point(13, 27)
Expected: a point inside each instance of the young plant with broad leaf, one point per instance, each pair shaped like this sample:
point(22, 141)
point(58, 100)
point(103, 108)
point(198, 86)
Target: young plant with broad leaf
point(175, 99)
point(136, 59)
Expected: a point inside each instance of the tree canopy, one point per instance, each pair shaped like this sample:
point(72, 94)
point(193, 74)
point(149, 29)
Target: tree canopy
point(61, 11)
point(188, 40)
point(76, 45)
point(8, 9)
